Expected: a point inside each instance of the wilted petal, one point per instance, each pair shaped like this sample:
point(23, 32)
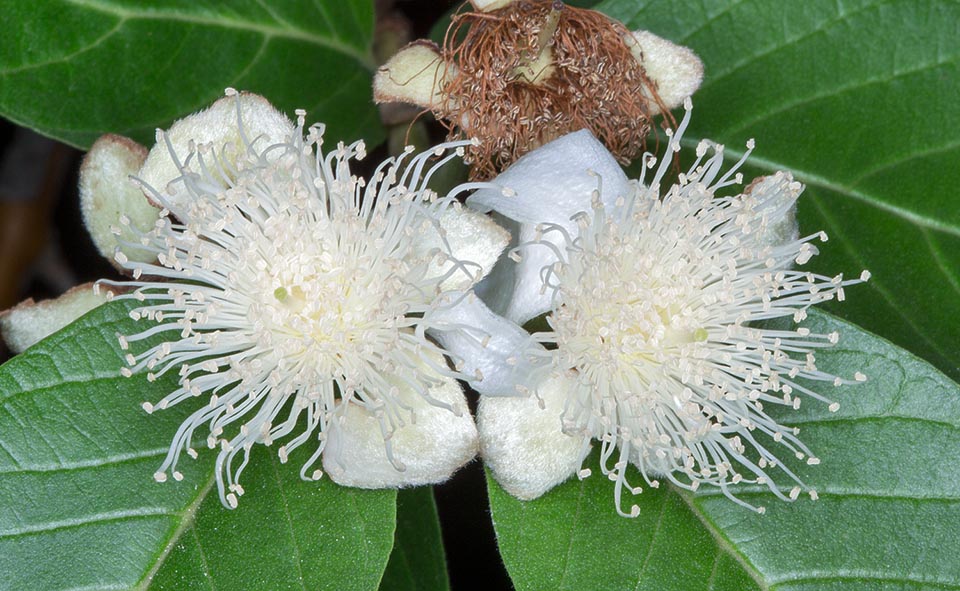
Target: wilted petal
point(524, 444)
point(109, 200)
point(30, 322)
point(428, 450)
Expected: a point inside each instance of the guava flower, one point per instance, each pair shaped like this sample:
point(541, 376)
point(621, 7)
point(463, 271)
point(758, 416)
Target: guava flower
point(293, 299)
point(655, 297)
point(516, 75)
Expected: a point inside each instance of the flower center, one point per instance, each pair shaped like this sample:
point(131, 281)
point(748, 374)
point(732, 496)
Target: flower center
point(330, 298)
point(625, 316)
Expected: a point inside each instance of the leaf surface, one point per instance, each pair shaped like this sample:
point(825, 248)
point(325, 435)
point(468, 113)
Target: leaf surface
point(75, 69)
point(418, 561)
point(79, 508)
point(856, 98)
point(888, 515)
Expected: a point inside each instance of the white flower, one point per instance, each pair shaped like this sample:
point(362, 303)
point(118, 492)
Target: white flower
point(294, 298)
point(653, 296)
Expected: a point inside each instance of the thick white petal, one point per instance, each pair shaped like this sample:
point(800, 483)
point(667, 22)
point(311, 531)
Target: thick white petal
point(30, 322)
point(778, 195)
point(470, 237)
point(430, 450)
point(490, 5)
point(416, 74)
point(107, 193)
point(485, 345)
point(549, 185)
point(524, 445)
point(218, 126)
point(677, 71)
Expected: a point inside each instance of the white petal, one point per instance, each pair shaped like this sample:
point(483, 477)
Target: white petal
point(490, 5)
point(556, 181)
point(520, 301)
point(524, 445)
point(30, 322)
point(677, 71)
point(218, 126)
point(415, 74)
point(472, 238)
point(485, 345)
point(430, 450)
point(548, 185)
point(496, 289)
point(107, 193)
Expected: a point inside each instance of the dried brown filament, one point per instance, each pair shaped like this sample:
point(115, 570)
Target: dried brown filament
point(537, 69)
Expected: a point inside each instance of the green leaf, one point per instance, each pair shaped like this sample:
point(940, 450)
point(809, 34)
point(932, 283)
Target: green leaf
point(79, 507)
point(888, 514)
point(418, 562)
point(286, 534)
point(75, 69)
point(858, 99)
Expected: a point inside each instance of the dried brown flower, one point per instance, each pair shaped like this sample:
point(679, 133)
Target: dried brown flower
point(523, 74)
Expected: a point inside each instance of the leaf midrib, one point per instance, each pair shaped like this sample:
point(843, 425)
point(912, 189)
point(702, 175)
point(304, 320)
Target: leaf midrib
point(188, 516)
point(722, 542)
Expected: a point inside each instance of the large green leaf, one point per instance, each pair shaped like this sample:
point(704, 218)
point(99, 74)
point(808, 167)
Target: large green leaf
point(74, 69)
point(418, 561)
point(286, 534)
point(888, 514)
point(79, 507)
point(858, 99)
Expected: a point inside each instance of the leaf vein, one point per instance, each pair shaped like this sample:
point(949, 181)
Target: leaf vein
point(831, 93)
point(59, 59)
point(901, 160)
point(653, 542)
point(83, 464)
point(262, 29)
point(815, 180)
point(861, 575)
point(877, 282)
point(746, 61)
point(297, 554)
point(570, 544)
point(40, 528)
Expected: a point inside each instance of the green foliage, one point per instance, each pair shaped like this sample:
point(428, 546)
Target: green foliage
point(79, 507)
point(286, 534)
point(75, 69)
point(857, 100)
point(887, 514)
point(418, 561)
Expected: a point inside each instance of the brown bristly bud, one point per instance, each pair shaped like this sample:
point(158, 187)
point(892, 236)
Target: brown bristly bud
point(534, 70)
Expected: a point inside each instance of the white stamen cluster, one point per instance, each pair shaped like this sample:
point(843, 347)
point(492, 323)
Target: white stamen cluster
point(287, 289)
point(654, 324)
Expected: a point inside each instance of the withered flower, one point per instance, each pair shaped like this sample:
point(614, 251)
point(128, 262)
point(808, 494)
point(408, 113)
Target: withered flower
point(518, 74)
